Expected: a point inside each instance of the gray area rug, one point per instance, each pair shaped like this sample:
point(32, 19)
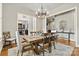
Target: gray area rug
point(61, 50)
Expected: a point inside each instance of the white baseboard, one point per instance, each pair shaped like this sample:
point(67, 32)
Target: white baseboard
point(77, 45)
point(72, 39)
point(67, 39)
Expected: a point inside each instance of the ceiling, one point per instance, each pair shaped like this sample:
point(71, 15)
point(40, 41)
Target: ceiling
point(32, 7)
point(35, 6)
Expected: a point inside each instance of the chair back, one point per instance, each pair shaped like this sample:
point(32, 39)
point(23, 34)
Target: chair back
point(18, 40)
point(54, 37)
point(6, 35)
point(46, 40)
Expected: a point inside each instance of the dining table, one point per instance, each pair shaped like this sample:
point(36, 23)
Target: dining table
point(32, 39)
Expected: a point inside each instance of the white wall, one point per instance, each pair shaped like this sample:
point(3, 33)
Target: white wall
point(76, 19)
point(1, 45)
point(78, 25)
point(69, 18)
point(44, 25)
point(0, 20)
point(64, 7)
point(30, 25)
point(30, 21)
point(10, 16)
point(10, 12)
point(41, 24)
point(9, 19)
point(34, 23)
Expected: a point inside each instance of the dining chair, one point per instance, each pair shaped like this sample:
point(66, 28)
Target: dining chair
point(18, 50)
point(8, 40)
point(33, 33)
point(54, 38)
point(22, 47)
point(44, 46)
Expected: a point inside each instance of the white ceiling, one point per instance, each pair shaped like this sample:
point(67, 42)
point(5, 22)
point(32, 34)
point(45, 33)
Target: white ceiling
point(32, 7)
point(35, 6)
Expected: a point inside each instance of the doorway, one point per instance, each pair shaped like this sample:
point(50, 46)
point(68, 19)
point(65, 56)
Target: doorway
point(22, 24)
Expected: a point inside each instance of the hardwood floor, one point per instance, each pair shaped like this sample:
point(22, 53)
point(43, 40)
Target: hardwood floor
point(76, 51)
point(60, 40)
point(4, 51)
point(71, 43)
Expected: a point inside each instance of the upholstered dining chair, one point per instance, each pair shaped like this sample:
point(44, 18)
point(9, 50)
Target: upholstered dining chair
point(44, 46)
point(36, 46)
point(22, 46)
point(8, 39)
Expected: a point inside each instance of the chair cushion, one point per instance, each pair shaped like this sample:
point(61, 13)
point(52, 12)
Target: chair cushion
point(41, 44)
point(10, 39)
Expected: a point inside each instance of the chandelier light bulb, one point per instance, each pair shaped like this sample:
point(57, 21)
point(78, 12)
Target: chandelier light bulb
point(41, 12)
point(38, 10)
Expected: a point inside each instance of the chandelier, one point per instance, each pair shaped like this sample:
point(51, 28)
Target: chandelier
point(41, 12)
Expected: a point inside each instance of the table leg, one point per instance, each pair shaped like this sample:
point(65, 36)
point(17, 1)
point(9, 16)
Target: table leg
point(54, 45)
point(43, 50)
point(50, 49)
point(68, 38)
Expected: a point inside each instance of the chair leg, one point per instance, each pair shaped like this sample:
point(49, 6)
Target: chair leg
point(10, 44)
point(50, 48)
point(15, 41)
point(34, 52)
point(54, 45)
point(18, 53)
point(4, 45)
point(43, 51)
point(22, 53)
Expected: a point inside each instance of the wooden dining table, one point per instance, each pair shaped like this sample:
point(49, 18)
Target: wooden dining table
point(31, 40)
